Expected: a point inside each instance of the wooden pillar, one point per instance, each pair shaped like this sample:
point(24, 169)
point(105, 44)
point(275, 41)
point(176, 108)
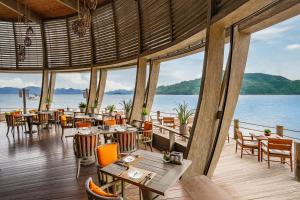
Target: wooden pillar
point(279, 130)
point(238, 62)
point(139, 91)
point(205, 121)
point(91, 100)
point(101, 88)
point(51, 87)
point(152, 84)
point(236, 127)
point(297, 161)
point(44, 90)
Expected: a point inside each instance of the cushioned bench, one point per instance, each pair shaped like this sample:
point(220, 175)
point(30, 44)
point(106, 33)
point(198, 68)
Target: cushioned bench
point(202, 188)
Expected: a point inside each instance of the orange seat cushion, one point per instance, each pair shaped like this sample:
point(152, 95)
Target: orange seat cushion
point(97, 190)
point(110, 122)
point(107, 154)
point(83, 124)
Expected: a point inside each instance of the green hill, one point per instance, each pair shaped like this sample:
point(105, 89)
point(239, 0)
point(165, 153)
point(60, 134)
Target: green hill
point(253, 83)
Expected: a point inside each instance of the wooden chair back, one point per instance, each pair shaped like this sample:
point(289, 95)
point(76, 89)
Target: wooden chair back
point(240, 135)
point(43, 118)
point(61, 111)
point(9, 120)
point(127, 141)
point(280, 144)
point(85, 145)
point(148, 130)
point(169, 121)
point(56, 115)
point(86, 124)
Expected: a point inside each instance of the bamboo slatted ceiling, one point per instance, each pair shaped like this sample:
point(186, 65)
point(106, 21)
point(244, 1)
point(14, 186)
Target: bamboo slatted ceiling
point(121, 30)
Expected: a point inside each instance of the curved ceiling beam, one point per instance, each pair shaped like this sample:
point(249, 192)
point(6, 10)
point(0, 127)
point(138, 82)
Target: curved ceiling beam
point(12, 5)
point(72, 4)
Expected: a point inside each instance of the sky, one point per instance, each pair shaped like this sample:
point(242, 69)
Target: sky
point(275, 50)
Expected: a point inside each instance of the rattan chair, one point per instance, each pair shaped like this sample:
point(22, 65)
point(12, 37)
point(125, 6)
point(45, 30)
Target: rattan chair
point(127, 141)
point(43, 120)
point(66, 122)
point(84, 146)
point(93, 196)
point(146, 135)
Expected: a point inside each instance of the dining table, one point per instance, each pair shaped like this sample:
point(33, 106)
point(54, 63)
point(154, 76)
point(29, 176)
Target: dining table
point(260, 138)
point(29, 120)
point(161, 175)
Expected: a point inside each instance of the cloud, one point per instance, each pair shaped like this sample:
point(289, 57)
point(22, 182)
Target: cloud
point(293, 46)
point(16, 82)
point(113, 85)
point(270, 33)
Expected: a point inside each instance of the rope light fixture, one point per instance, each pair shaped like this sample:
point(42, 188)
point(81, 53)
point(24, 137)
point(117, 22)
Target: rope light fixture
point(83, 22)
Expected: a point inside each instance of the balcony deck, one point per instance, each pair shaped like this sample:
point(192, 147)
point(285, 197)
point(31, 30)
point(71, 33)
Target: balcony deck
point(44, 168)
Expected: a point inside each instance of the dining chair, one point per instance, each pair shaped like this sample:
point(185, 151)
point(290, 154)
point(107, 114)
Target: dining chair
point(95, 192)
point(66, 122)
point(42, 120)
point(10, 123)
point(127, 141)
point(84, 124)
point(54, 118)
point(84, 146)
point(109, 122)
point(245, 143)
point(119, 120)
point(169, 122)
point(146, 135)
point(277, 147)
point(19, 120)
point(105, 155)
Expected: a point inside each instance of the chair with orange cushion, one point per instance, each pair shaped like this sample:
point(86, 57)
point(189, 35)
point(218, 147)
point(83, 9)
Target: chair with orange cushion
point(109, 122)
point(66, 122)
point(84, 124)
point(146, 135)
point(95, 192)
point(106, 154)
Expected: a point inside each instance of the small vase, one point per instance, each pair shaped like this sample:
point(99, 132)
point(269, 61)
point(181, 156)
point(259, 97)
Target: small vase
point(145, 118)
point(184, 130)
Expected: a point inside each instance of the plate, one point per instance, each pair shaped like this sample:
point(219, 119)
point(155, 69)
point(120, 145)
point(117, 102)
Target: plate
point(135, 174)
point(129, 159)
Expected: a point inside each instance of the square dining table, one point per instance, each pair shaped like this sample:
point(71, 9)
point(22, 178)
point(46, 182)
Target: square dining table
point(260, 138)
point(166, 174)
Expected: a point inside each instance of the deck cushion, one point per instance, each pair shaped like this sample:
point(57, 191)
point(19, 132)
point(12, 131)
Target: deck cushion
point(97, 190)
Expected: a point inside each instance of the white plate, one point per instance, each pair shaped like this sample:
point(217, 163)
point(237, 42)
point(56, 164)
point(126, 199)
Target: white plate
point(129, 159)
point(136, 174)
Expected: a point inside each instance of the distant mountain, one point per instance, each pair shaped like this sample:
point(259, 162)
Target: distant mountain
point(37, 90)
point(122, 92)
point(67, 91)
point(253, 83)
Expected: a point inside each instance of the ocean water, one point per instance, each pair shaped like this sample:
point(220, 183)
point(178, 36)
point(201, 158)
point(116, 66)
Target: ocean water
point(269, 110)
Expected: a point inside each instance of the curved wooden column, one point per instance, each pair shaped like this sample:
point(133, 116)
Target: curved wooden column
point(92, 90)
point(44, 90)
point(152, 84)
point(205, 121)
point(139, 91)
point(51, 88)
point(230, 92)
point(101, 88)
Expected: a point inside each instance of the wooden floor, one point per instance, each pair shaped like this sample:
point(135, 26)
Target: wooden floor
point(43, 167)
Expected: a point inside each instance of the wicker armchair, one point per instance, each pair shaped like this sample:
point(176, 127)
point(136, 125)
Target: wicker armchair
point(93, 196)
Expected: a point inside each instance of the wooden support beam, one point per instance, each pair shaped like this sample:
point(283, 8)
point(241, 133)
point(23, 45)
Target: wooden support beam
point(205, 121)
point(72, 4)
point(21, 10)
point(51, 88)
point(152, 84)
point(101, 88)
point(230, 93)
point(139, 91)
point(92, 91)
point(44, 90)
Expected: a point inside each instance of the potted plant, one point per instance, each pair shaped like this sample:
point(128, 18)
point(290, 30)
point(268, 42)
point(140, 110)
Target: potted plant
point(183, 115)
point(126, 107)
point(267, 132)
point(111, 109)
point(144, 114)
point(82, 106)
point(48, 102)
